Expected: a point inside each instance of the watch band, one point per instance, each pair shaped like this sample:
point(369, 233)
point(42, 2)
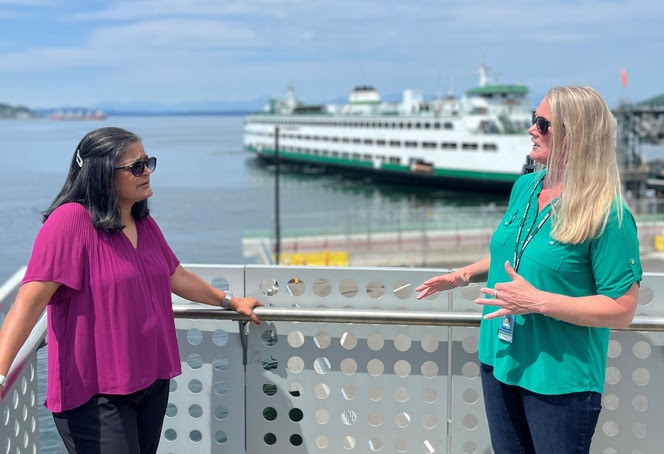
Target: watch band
point(226, 302)
point(3, 381)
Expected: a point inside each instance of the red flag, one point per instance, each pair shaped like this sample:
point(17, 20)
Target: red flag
point(623, 78)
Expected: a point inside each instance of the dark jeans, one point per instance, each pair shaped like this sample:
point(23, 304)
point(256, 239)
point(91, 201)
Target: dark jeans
point(521, 421)
point(113, 424)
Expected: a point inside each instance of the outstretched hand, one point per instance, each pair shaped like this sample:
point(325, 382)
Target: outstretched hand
point(441, 283)
point(515, 297)
point(245, 306)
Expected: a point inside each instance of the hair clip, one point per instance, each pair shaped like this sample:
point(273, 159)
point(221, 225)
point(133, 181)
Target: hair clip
point(79, 160)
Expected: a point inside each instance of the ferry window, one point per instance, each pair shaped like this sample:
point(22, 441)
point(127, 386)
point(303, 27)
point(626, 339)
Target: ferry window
point(395, 160)
point(325, 138)
point(356, 140)
point(335, 139)
point(428, 144)
point(307, 137)
point(345, 140)
point(448, 125)
point(356, 156)
point(427, 125)
point(394, 125)
point(316, 152)
point(381, 157)
point(380, 142)
point(395, 143)
point(345, 155)
point(336, 154)
point(368, 157)
point(410, 144)
point(401, 124)
point(316, 138)
point(326, 153)
point(469, 146)
point(418, 125)
point(409, 125)
point(489, 147)
point(448, 145)
point(368, 141)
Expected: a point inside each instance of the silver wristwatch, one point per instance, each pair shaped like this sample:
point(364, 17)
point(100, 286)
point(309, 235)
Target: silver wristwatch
point(226, 302)
point(3, 381)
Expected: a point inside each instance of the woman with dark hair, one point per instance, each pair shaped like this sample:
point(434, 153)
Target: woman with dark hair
point(104, 270)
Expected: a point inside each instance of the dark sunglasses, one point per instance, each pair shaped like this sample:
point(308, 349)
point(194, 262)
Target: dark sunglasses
point(542, 124)
point(138, 167)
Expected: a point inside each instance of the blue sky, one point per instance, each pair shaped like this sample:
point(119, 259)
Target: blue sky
point(172, 52)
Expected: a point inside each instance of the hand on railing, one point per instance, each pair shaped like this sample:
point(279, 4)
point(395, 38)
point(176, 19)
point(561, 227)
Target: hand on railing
point(246, 306)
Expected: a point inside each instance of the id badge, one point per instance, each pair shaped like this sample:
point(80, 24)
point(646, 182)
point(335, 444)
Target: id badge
point(506, 328)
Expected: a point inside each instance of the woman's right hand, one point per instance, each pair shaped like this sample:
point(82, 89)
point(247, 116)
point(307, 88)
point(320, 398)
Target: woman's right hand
point(441, 283)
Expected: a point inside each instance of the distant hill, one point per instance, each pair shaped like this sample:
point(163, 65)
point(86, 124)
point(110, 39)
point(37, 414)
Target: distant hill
point(7, 111)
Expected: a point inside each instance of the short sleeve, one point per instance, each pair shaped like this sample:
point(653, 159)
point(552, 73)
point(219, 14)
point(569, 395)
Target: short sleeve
point(615, 256)
point(58, 254)
point(166, 250)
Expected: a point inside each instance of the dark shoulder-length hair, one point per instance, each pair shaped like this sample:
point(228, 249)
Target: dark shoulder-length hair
point(91, 178)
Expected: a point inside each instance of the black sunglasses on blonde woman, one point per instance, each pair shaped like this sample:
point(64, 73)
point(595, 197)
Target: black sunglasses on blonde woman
point(542, 124)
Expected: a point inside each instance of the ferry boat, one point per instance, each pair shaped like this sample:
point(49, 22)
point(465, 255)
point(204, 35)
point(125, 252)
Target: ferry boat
point(479, 141)
point(78, 115)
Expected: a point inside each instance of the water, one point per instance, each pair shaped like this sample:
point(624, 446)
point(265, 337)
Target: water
point(208, 192)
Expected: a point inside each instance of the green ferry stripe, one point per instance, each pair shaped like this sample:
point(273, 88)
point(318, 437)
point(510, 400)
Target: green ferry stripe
point(390, 167)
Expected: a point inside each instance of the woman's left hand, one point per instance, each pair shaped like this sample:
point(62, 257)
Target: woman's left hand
point(245, 306)
point(515, 297)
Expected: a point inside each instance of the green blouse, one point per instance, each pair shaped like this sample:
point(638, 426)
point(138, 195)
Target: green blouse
point(549, 356)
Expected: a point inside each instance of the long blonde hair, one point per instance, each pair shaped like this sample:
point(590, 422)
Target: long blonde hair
point(583, 160)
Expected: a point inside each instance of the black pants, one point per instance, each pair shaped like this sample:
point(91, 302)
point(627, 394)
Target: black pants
point(113, 424)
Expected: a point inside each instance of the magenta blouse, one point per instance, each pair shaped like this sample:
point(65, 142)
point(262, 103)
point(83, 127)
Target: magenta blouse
point(110, 324)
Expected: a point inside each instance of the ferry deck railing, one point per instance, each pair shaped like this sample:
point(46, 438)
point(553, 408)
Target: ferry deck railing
point(347, 360)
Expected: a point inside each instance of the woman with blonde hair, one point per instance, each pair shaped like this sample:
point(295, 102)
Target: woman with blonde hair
point(563, 269)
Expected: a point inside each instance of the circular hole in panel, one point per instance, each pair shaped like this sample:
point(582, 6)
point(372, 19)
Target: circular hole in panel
point(402, 420)
point(270, 439)
point(220, 283)
point(194, 336)
point(469, 448)
point(641, 349)
point(322, 365)
point(470, 370)
point(375, 367)
point(348, 417)
point(610, 428)
point(195, 361)
point(430, 395)
point(610, 401)
point(219, 337)
point(295, 414)
point(615, 348)
point(322, 442)
point(348, 366)
point(295, 287)
point(375, 393)
point(295, 339)
point(471, 292)
point(269, 337)
point(348, 391)
point(269, 389)
point(402, 368)
point(170, 434)
point(171, 410)
point(402, 343)
point(348, 288)
point(220, 412)
point(269, 362)
point(269, 413)
point(402, 394)
point(269, 287)
point(639, 430)
point(195, 386)
point(322, 391)
point(322, 416)
point(470, 396)
point(469, 344)
point(322, 339)
point(348, 340)
point(195, 436)
point(220, 363)
point(322, 288)
point(375, 444)
point(401, 446)
point(295, 389)
point(295, 364)
point(172, 385)
point(612, 375)
point(469, 422)
point(429, 421)
point(640, 403)
point(646, 296)
point(376, 289)
point(641, 376)
point(402, 290)
point(375, 418)
point(220, 388)
point(375, 341)
point(432, 297)
point(295, 439)
point(220, 437)
point(349, 443)
point(429, 344)
point(195, 411)
point(429, 369)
